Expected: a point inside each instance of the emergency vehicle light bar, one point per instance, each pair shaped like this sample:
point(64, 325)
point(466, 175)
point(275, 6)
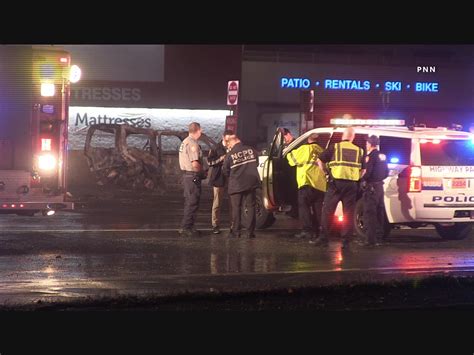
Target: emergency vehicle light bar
point(363, 122)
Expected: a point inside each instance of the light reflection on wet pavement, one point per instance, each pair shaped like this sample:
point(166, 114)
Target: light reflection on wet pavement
point(138, 251)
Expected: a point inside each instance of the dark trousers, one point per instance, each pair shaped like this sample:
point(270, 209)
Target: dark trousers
point(374, 211)
point(192, 195)
point(310, 204)
point(345, 191)
point(236, 201)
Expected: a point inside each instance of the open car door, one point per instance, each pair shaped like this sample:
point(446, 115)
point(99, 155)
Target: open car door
point(279, 178)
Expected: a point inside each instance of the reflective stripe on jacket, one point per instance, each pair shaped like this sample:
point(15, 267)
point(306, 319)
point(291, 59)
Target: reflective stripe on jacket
point(346, 162)
point(307, 170)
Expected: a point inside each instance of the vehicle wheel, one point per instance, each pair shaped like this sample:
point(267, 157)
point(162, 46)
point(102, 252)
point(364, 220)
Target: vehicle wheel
point(264, 218)
point(456, 232)
point(359, 222)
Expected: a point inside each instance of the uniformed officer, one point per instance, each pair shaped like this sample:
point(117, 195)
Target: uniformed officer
point(346, 164)
point(372, 187)
point(241, 166)
point(190, 162)
point(311, 186)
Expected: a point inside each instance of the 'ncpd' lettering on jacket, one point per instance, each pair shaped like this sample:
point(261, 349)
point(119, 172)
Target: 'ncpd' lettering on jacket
point(243, 156)
point(241, 168)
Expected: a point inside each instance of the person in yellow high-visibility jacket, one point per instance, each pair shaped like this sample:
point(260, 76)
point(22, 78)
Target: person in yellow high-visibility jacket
point(311, 186)
point(346, 165)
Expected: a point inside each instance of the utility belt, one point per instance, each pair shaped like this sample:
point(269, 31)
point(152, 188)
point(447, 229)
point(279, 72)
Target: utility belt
point(197, 176)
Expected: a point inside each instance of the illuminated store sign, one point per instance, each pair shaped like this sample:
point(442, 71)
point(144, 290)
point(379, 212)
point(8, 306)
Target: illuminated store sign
point(358, 85)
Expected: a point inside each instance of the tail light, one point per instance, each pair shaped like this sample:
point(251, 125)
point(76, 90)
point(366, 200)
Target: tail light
point(45, 144)
point(415, 179)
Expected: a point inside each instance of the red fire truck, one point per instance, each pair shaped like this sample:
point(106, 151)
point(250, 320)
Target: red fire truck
point(34, 103)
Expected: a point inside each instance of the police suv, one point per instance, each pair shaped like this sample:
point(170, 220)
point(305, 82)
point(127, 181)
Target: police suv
point(431, 179)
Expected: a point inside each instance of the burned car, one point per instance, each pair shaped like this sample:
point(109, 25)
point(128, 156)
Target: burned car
point(130, 157)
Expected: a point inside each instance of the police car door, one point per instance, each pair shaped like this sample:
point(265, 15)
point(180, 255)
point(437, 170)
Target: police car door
point(279, 178)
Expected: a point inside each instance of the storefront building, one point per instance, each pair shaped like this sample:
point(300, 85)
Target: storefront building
point(433, 85)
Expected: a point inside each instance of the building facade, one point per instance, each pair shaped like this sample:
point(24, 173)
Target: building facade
point(421, 84)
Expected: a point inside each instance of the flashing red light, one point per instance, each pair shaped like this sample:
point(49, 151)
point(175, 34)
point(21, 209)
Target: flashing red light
point(5, 205)
point(22, 205)
point(13, 205)
point(63, 59)
point(340, 218)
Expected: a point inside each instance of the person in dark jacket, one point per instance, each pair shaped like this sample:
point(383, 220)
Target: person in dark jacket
point(373, 192)
point(240, 165)
point(217, 179)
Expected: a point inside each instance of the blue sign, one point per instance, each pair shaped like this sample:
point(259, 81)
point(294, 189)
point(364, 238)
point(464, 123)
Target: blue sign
point(295, 83)
point(393, 86)
point(346, 84)
point(358, 85)
point(426, 87)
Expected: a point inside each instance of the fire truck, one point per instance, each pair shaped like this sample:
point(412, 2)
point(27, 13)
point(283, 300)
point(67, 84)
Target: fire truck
point(34, 103)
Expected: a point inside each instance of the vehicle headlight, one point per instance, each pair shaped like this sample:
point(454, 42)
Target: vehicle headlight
point(46, 162)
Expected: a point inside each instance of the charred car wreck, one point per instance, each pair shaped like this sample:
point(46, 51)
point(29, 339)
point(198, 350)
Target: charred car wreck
point(130, 157)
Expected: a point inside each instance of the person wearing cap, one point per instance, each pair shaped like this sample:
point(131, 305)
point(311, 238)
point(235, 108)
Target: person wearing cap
point(311, 186)
point(343, 165)
point(373, 192)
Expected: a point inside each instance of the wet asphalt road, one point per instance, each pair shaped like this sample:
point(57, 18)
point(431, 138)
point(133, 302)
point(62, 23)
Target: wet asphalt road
point(112, 249)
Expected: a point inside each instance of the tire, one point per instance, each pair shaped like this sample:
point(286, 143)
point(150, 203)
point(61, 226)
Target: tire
point(264, 218)
point(458, 231)
point(359, 222)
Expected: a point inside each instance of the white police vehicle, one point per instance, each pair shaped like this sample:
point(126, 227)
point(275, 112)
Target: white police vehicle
point(431, 180)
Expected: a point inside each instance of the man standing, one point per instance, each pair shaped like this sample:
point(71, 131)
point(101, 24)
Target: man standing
point(217, 179)
point(190, 162)
point(240, 166)
point(372, 187)
point(311, 186)
point(345, 162)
